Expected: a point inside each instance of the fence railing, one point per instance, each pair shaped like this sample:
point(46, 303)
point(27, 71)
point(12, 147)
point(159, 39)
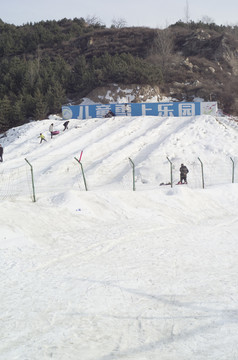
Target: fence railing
point(34, 179)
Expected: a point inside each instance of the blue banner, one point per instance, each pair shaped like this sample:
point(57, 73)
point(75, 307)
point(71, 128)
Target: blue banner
point(139, 109)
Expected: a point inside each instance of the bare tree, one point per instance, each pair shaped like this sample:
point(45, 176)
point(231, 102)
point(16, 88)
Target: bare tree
point(207, 20)
point(232, 58)
point(162, 47)
point(118, 23)
point(162, 53)
point(94, 20)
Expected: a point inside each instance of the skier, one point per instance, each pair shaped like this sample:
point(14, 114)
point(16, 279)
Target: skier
point(41, 138)
point(51, 130)
point(1, 152)
point(183, 174)
point(65, 125)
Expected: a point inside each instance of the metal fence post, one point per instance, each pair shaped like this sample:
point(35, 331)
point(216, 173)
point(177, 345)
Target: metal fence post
point(133, 173)
point(202, 173)
point(85, 184)
point(171, 172)
point(233, 170)
point(32, 181)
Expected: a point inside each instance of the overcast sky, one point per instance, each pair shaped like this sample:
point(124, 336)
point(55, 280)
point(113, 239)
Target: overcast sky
point(151, 13)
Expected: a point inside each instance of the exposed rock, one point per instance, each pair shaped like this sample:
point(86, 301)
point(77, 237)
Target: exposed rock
point(211, 69)
point(114, 93)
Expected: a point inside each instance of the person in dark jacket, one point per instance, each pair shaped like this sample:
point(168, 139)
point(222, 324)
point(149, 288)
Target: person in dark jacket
point(183, 174)
point(65, 124)
point(126, 109)
point(1, 153)
point(109, 114)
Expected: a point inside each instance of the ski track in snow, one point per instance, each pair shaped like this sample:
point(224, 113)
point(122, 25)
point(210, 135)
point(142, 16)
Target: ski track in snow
point(111, 274)
point(151, 305)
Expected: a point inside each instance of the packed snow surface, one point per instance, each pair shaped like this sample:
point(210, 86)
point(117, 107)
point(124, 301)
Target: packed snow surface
point(111, 273)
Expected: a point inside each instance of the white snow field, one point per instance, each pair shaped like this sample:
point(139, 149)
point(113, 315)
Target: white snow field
point(111, 273)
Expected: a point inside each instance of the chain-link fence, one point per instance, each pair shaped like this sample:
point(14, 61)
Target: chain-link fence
point(59, 176)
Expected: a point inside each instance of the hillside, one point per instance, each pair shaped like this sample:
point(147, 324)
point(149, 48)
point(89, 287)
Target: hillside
point(47, 64)
point(111, 273)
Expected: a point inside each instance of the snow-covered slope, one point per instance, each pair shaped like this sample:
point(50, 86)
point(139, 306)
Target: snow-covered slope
point(113, 273)
point(107, 145)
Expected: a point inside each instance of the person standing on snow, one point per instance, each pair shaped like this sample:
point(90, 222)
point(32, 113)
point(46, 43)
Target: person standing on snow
point(41, 138)
point(51, 129)
point(183, 174)
point(126, 109)
point(1, 153)
point(65, 125)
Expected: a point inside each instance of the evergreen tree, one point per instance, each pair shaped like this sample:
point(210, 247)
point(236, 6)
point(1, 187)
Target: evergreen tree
point(41, 108)
point(18, 116)
point(5, 111)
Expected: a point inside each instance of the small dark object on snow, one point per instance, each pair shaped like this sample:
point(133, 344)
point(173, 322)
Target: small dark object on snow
point(109, 114)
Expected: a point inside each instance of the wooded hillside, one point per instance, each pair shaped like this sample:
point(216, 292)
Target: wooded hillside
point(50, 63)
